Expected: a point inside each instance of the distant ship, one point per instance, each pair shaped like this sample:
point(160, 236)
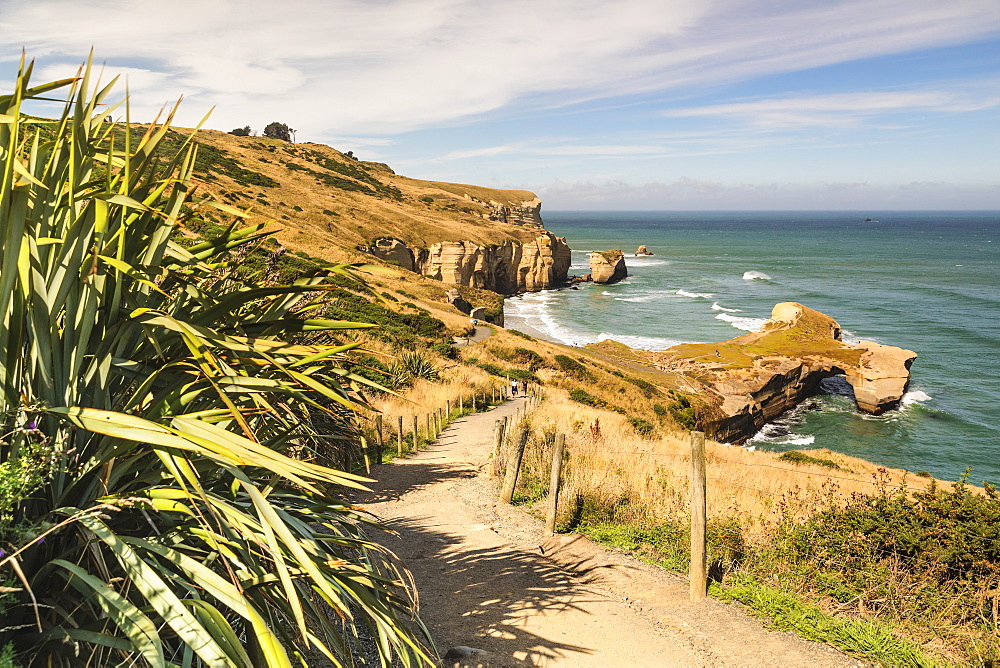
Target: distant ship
point(869, 220)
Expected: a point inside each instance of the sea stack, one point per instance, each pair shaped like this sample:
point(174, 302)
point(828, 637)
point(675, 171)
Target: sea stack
point(608, 267)
point(641, 250)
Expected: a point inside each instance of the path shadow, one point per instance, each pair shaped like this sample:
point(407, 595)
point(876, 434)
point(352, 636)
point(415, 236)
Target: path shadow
point(481, 597)
point(392, 482)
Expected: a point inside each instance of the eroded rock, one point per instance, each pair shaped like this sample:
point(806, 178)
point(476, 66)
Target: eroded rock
point(752, 379)
point(608, 267)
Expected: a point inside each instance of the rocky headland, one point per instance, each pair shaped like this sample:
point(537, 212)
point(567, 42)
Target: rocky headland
point(750, 380)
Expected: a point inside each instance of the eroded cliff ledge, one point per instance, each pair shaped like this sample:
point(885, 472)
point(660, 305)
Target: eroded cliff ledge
point(509, 267)
point(752, 379)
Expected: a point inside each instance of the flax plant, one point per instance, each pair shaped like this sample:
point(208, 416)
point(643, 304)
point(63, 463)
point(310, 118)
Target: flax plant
point(185, 518)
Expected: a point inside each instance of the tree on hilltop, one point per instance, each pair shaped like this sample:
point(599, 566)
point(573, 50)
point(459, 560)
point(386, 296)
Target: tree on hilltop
point(241, 132)
point(279, 131)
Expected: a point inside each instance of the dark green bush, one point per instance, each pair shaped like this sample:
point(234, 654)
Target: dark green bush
point(529, 357)
point(683, 412)
point(647, 388)
point(641, 426)
point(585, 397)
point(796, 457)
point(573, 367)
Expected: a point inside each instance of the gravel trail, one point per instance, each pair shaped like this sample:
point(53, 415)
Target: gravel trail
point(489, 579)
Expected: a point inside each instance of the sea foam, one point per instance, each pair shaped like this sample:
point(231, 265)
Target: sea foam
point(915, 397)
point(755, 276)
point(694, 295)
point(746, 324)
point(640, 342)
point(717, 307)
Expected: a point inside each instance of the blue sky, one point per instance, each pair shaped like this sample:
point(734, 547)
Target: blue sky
point(631, 104)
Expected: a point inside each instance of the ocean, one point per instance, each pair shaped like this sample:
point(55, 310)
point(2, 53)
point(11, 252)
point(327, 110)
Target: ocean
point(927, 281)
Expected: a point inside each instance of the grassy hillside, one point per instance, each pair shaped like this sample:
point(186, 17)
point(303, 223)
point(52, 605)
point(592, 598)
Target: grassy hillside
point(328, 203)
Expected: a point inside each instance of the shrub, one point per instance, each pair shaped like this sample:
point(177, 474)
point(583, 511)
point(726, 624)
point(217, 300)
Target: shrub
point(529, 357)
point(796, 457)
point(573, 368)
point(241, 132)
point(647, 388)
point(641, 426)
point(445, 349)
point(683, 412)
point(585, 397)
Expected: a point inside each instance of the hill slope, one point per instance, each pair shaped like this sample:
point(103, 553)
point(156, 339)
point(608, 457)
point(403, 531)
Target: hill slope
point(329, 203)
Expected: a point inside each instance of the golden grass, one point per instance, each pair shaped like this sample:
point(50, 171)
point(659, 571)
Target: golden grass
point(332, 221)
point(652, 475)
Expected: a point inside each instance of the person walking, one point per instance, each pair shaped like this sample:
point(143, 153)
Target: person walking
point(513, 388)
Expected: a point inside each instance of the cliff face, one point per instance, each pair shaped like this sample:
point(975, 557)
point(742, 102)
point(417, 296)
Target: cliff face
point(506, 268)
point(526, 213)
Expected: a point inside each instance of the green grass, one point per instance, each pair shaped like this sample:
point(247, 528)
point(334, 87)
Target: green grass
point(786, 612)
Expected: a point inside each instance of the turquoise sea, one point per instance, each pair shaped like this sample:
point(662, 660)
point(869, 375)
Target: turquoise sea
point(927, 281)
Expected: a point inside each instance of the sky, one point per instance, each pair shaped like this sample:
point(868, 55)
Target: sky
point(615, 104)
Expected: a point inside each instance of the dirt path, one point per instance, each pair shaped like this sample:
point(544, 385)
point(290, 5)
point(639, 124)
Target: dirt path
point(490, 580)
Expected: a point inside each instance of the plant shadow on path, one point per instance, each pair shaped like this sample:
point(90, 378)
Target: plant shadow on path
point(475, 587)
point(482, 596)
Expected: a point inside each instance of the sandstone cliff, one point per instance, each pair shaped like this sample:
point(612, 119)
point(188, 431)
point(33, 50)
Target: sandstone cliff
point(507, 268)
point(608, 267)
point(752, 379)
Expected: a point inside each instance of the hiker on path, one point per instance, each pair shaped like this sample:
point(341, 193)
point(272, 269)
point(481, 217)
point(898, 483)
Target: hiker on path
point(513, 388)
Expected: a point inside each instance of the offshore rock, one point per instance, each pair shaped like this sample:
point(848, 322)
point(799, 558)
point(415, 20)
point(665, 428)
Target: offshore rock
point(608, 267)
point(754, 378)
point(506, 268)
point(641, 250)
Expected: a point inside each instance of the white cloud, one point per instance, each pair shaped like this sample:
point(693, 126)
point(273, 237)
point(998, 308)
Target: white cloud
point(359, 67)
point(845, 109)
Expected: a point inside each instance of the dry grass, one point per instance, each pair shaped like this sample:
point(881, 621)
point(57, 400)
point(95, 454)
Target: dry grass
point(329, 222)
point(616, 466)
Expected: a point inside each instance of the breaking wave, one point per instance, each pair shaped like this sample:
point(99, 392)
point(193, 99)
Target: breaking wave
point(703, 295)
point(717, 307)
point(746, 324)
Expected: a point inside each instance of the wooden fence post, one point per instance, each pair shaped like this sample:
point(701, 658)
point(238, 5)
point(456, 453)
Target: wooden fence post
point(430, 427)
point(698, 573)
point(497, 442)
point(444, 418)
point(513, 466)
point(379, 441)
point(399, 437)
point(461, 404)
point(416, 432)
point(557, 455)
point(447, 409)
